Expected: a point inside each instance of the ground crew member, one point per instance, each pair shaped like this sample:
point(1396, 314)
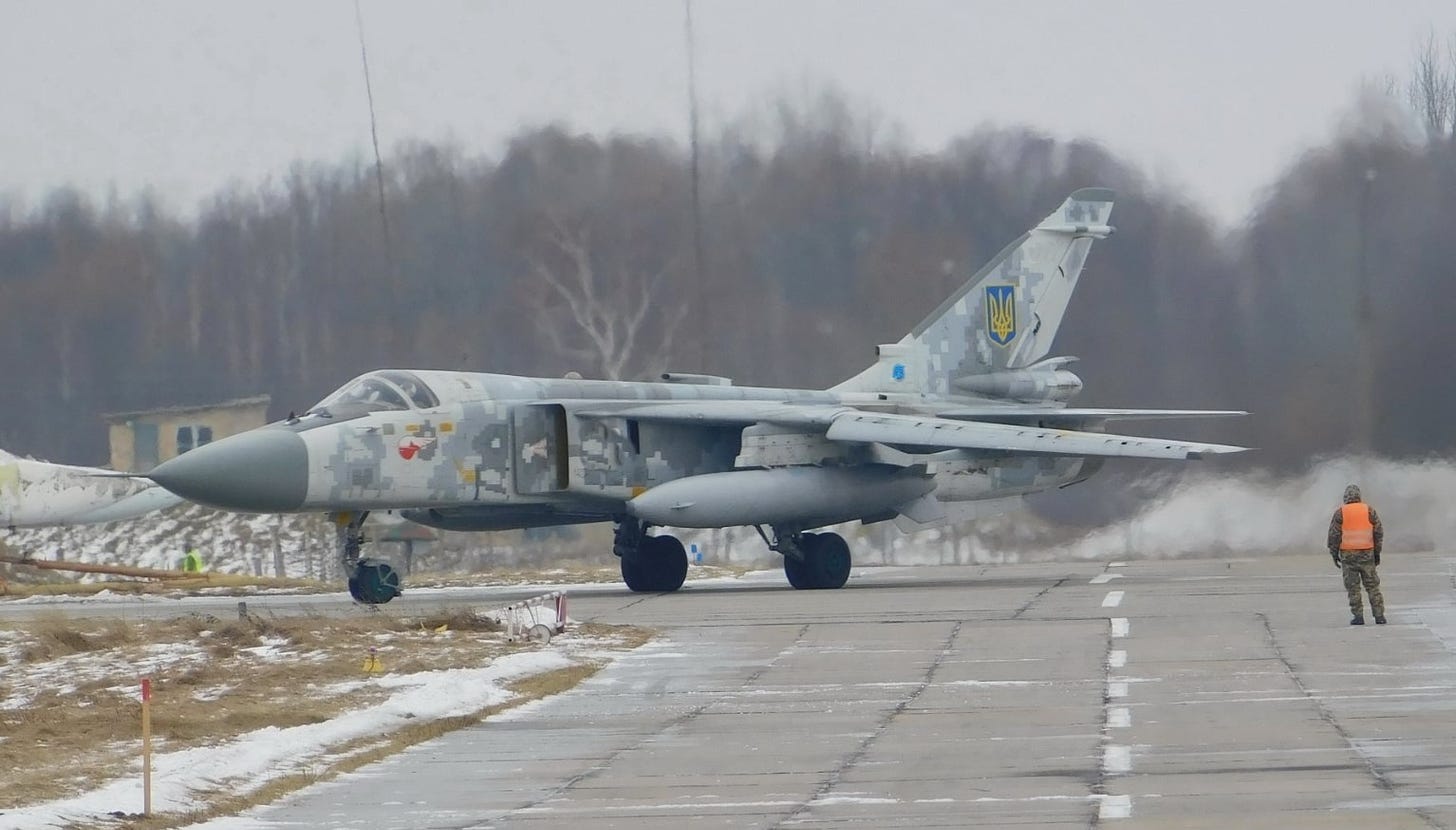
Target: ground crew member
point(192, 562)
point(1354, 541)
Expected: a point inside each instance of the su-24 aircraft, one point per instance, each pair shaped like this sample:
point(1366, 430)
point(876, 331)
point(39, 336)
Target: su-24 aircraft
point(961, 418)
point(40, 494)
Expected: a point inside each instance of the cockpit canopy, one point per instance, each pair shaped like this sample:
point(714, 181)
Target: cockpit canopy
point(386, 390)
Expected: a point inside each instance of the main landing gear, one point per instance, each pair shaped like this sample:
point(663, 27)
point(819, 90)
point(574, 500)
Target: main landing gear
point(658, 564)
point(811, 560)
point(650, 564)
point(371, 581)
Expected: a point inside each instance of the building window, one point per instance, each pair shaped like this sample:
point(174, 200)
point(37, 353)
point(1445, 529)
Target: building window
point(204, 436)
point(184, 439)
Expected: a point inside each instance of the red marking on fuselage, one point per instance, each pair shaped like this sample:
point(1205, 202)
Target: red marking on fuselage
point(409, 447)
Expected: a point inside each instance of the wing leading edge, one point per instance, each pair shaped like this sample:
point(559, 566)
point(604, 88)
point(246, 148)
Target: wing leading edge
point(850, 425)
point(943, 433)
point(1076, 416)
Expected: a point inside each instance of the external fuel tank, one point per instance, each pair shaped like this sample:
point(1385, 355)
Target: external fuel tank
point(802, 496)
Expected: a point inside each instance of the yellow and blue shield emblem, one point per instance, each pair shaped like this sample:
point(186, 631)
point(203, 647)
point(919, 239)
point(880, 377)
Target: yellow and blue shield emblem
point(1001, 313)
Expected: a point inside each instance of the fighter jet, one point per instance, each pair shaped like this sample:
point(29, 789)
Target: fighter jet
point(40, 494)
point(962, 417)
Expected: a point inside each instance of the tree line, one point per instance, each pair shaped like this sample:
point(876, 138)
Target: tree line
point(821, 237)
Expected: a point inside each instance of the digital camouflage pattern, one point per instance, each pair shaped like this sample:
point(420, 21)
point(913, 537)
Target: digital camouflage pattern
point(1006, 316)
point(1358, 567)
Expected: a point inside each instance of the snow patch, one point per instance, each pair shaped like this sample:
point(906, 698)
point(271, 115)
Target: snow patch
point(181, 778)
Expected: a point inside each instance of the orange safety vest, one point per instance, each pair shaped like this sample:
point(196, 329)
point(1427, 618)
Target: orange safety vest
point(1356, 531)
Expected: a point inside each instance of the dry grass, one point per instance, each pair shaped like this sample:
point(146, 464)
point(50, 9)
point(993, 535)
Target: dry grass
point(569, 573)
point(66, 740)
point(211, 583)
point(53, 635)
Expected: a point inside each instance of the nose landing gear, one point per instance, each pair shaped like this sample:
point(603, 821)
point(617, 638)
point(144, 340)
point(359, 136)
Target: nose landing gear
point(371, 581)
point(374, 582)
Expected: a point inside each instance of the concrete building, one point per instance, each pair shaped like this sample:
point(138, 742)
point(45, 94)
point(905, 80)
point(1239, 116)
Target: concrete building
point(142, 440)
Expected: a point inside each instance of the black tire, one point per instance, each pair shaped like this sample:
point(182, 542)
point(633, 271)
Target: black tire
point(800, 572)
point(832, 561)
point(374, 582)
point(634, 573)
point(669, 562)
point(660, 565)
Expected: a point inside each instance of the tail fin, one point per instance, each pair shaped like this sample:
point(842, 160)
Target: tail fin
point(1006, 316)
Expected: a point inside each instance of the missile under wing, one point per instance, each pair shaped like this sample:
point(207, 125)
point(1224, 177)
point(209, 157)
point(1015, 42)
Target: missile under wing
point(962, 417)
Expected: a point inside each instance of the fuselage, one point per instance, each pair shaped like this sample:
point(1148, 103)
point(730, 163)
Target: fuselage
point(467, 450)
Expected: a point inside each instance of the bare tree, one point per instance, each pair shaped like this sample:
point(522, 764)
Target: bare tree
point(1432, 86)
point(620, 318)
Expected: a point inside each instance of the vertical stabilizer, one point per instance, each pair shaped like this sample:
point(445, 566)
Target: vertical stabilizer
point(1004, 317)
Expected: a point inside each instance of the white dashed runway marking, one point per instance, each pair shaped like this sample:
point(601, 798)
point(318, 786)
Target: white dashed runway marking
point(1117, 760)
point(1112, 600)
point(1115, 806)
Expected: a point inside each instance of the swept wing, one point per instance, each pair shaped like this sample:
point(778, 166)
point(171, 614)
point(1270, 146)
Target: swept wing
point(846, 424)
point(1077, 415)
point(944, 433)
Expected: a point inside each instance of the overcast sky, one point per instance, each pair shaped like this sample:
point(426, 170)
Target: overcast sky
point(183, 97)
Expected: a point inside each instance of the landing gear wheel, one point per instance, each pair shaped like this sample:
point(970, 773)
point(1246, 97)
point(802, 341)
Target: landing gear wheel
point(634, 572)
point(669, 562)
point(374, 582)
point(832, 561)
point(825, 564)
point(659, 565)
point(371, 581)
point(797, 568)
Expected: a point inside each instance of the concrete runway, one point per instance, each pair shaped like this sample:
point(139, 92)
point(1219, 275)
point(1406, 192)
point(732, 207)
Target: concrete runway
point(1196, 693)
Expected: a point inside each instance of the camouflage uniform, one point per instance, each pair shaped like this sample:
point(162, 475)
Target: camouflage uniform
point(1358, 566)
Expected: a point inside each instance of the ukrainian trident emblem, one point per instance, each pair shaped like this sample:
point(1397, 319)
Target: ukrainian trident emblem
point(1001, 313)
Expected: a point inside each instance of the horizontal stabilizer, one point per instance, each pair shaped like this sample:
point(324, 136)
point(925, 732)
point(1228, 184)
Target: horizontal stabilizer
point(954, 513)
point(926, 511)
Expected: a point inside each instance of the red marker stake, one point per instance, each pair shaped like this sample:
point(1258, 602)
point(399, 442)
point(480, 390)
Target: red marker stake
point(146, 746)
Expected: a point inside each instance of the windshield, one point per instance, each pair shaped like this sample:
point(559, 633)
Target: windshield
point(377, 392)
point(413, 388)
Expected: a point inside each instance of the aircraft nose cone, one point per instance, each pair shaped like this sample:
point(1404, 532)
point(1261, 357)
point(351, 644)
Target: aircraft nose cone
point(263, 471)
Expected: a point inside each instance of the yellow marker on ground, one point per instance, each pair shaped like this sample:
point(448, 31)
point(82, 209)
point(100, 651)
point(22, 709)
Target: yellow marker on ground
point(372, 663)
